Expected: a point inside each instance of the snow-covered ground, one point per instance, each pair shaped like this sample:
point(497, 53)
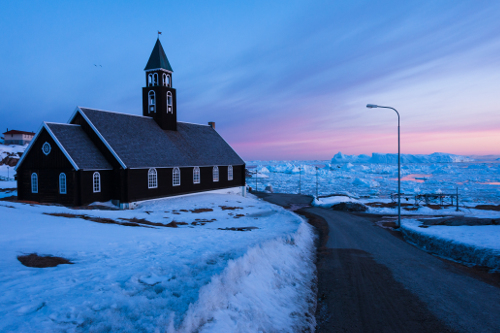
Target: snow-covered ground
point(6, 172)
point(195, 277)
point(470, 245)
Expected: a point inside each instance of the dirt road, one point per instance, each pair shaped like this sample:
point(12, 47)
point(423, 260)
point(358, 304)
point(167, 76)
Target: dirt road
point(371, 280)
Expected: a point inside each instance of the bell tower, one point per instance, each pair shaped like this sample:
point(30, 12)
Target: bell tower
point(158, 96)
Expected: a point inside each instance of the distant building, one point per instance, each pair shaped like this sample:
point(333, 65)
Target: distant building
point(103, 155)
point(14, 137)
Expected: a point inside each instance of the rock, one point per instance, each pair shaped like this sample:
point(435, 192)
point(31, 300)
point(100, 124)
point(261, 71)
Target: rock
point(350, 207)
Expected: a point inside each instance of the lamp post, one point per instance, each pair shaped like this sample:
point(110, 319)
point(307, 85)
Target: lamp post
point(373, 106)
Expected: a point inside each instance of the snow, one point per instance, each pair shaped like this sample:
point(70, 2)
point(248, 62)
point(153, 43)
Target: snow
point(190, 278)
point(478, 181)
point(470, 245)
point(6, 172)
point(331, 201)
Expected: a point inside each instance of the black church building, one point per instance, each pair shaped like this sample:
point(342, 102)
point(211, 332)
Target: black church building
point(103, 155)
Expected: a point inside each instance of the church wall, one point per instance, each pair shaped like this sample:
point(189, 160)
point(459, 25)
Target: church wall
point(87, 190)
point(48, 168)
point(138, 182)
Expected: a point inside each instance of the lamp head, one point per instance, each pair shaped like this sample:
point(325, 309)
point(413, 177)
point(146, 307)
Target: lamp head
point(371, 106)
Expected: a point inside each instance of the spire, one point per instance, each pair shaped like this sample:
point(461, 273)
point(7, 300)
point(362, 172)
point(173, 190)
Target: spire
point(158, 58)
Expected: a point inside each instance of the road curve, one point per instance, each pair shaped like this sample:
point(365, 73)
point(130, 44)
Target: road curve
point(370, 280)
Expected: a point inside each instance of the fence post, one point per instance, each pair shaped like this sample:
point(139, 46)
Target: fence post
point(457, 198)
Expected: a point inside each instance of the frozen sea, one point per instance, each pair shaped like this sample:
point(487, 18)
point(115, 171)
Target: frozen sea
point(476, 180)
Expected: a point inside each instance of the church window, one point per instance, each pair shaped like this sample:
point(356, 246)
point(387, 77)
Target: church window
point(169, 102)
point(155, 79)
point(150, 80)
point(215, 174)
point(62, 183)
point(196, 175)
point(152, 178)
point(164, 76)
point(168, 81)
point(230, 172)
point(97, 182)
point(176, 177)
point(34, 183)
point(46, 148)
point(152, 101)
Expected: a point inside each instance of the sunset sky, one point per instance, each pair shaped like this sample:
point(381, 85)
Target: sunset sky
point(281, 79)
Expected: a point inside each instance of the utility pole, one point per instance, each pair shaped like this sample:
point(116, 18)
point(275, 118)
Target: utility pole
point(317, 182)
point(300, 180)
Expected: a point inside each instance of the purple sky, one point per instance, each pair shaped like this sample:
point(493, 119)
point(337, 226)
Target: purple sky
point(282, 80)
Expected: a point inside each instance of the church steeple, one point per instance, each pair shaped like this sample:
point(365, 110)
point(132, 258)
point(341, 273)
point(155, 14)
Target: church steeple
point(158, 97)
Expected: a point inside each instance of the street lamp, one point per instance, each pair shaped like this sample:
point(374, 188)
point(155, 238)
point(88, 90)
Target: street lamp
point(373, 106)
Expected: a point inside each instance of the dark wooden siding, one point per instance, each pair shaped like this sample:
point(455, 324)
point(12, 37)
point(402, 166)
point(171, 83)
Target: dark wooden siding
point(48, 168)
point(87, 186)
point(138, 182)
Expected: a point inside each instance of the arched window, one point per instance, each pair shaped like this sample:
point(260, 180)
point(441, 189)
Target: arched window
point(152, 178)
point(176, 177)
point(34, 183)
point(196, 175)
point(62, 183)
point(155, 79)
point(230, 172)
point(152, 101)
point(169, 102)
point(168, 81)
point(150, 80)
point(97, 182)
point(215, 173)
point(164, 76)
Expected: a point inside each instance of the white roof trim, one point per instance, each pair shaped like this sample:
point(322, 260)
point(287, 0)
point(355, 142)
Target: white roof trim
point(102, 138)
point(44, 125)
point(94, 109)
point(158, 69)
point(29, 148)
point(230, 147)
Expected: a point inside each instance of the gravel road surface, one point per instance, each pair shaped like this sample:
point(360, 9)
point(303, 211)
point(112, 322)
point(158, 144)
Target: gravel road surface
point(371, 280)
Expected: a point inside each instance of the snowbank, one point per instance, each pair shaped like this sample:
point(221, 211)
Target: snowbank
point(331, 201)
point(147, 279)
point(470, 245)
point(281, 270)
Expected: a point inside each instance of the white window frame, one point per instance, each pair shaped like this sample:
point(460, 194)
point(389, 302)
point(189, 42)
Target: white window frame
point(155, 79)
point(230, 172)
point(169, 102)
point(196, 175)
point(215, 174)
point(164, 78)
point(169, 81)
point(34, 182)
point(46, 146)
point(62, 183)
point(96, 182)
point(151, 101)
point(152, 178)
point(176, 177)
point(150, 80)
